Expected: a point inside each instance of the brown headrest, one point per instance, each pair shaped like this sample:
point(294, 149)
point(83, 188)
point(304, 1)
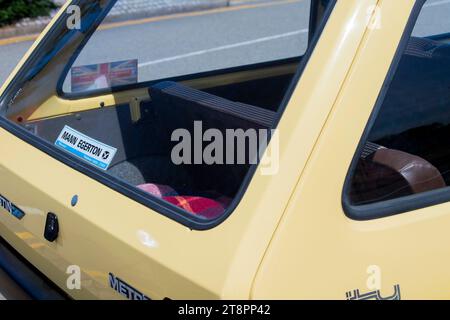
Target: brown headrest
point(383, 174)
point(420, 174)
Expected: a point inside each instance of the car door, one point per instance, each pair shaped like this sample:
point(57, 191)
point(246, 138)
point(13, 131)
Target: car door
point(370, 215)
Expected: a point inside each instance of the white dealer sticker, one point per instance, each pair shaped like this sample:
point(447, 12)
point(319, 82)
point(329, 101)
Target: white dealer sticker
point(96, 153)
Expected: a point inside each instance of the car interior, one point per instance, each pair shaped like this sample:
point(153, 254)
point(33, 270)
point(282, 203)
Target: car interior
point(144, 144)
point(407, 151)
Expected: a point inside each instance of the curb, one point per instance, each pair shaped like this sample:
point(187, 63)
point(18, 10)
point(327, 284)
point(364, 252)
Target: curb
point(22, 30)
point(28, 27)
point(232, 3)
point(180, 7)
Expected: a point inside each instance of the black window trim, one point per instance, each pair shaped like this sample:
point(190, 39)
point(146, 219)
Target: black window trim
point(161, 207)
point(400, 205)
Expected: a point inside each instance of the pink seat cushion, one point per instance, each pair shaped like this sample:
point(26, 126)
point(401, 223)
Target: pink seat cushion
point(207, 208)
point(158, 190)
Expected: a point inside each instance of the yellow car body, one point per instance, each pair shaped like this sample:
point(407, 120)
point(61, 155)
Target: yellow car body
point(288, 238)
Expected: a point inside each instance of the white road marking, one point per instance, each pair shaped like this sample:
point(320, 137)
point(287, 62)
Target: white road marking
point(2, 297)
point(225, 47)
point(437, 3)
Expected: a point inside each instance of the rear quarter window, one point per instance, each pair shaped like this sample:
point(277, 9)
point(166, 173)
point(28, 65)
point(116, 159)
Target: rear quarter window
point(404, 157)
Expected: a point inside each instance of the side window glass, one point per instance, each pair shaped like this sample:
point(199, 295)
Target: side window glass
point(407, 150)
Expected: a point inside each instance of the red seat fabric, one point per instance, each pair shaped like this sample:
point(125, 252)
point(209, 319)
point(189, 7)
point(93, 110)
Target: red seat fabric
point(200, 206)
point(204, 207)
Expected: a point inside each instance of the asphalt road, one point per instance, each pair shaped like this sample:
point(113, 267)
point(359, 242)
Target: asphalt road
point(188, 44)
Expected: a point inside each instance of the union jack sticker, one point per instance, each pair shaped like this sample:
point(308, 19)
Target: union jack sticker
point(104, 75)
